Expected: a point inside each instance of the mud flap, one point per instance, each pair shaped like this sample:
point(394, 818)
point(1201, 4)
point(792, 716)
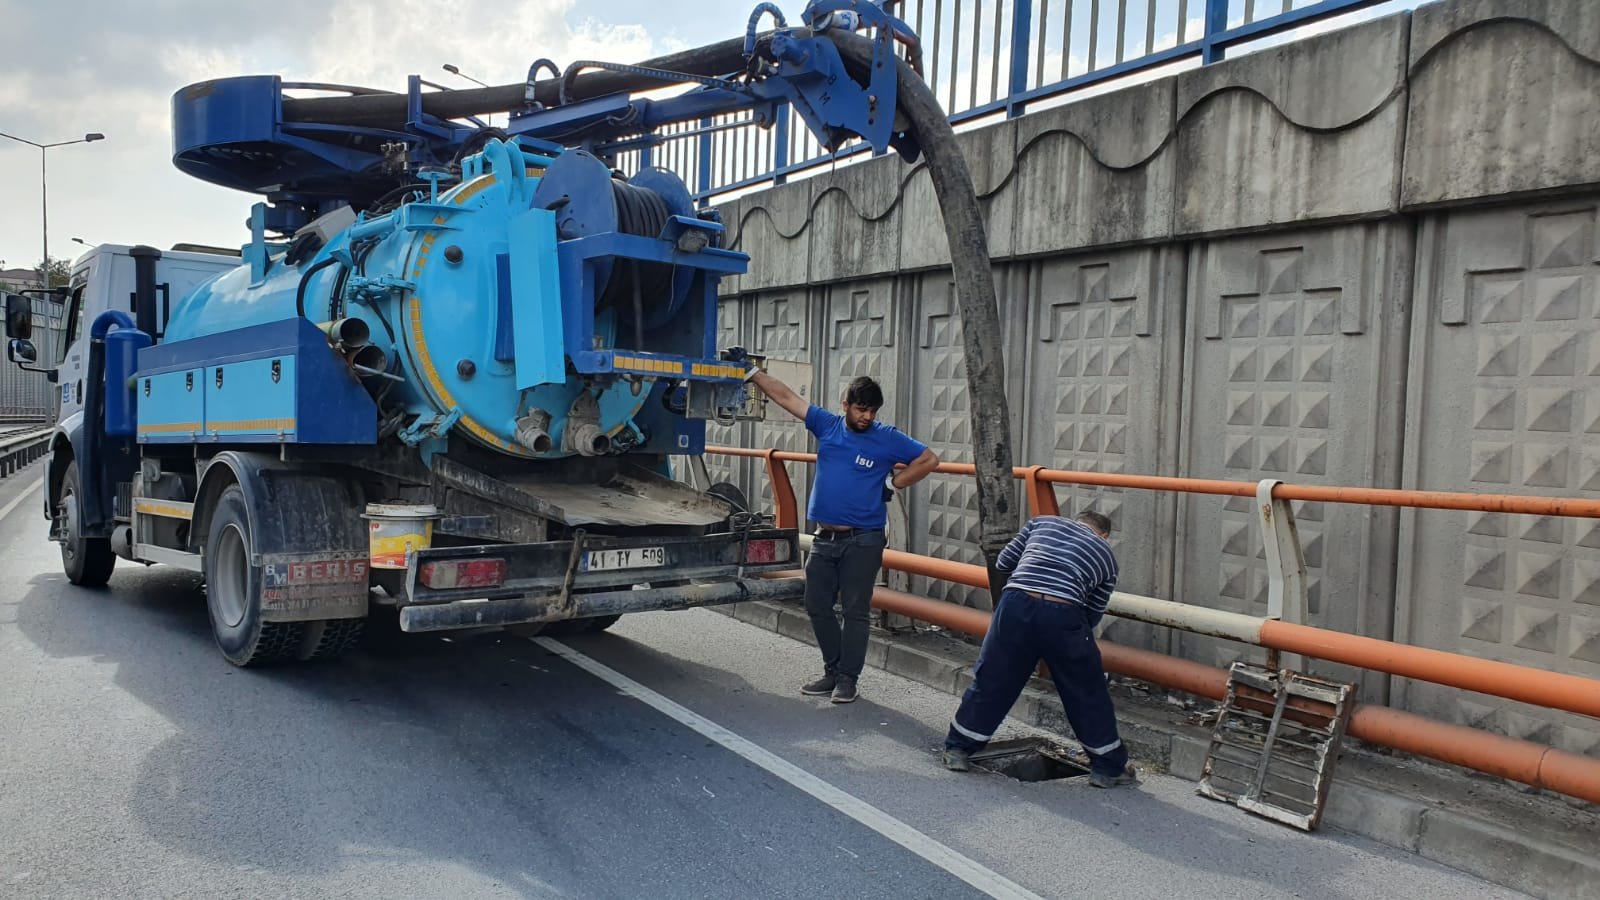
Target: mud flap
point(307, 536)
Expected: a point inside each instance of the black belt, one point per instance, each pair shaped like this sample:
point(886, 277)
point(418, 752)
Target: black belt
point(1049, 598)
point(832, 534)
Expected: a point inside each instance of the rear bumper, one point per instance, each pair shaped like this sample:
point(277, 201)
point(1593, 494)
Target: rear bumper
point(554, 608)
point(550, 581)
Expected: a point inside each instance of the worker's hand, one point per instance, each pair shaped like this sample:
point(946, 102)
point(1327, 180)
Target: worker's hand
point(889, 488)
point(741, 355)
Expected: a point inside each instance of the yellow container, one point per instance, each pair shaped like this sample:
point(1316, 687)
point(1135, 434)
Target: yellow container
point(395, 531)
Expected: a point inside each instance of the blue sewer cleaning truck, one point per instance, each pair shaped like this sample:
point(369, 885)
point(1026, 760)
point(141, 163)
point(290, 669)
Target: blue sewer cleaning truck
point(451, 369)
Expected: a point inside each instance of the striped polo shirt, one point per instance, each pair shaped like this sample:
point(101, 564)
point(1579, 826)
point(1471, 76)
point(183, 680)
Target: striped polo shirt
point(1062, 558)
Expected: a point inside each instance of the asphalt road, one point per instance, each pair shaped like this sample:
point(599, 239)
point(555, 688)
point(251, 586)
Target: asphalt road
point(134, 761)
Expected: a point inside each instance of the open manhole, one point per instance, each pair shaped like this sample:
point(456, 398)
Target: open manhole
point(1028, 759)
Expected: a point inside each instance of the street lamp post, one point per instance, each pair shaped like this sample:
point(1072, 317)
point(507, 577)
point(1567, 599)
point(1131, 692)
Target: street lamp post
point(456, 71)
point(44, 200)
point(460, 74)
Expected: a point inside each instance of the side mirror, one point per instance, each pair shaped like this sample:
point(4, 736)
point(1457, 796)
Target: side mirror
point(19, 317)
point(21, 351)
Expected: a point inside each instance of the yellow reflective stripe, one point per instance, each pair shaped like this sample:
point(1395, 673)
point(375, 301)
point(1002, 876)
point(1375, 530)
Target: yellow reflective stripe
point(641, 364)
point(252, 425)
point(170, 510)
point(172, 428)
point(708, 370)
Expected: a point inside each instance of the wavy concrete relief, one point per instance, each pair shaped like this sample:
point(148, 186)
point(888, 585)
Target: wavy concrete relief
point(1302, 132)
point(1502, 103)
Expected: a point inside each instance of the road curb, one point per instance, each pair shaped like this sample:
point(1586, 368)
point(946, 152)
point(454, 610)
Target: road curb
point(1368, 796)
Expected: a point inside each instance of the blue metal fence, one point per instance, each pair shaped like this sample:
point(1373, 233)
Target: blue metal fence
point(993, 59)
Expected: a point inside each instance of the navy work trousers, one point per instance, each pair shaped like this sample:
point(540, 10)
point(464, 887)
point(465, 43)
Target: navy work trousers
point(1025, 630)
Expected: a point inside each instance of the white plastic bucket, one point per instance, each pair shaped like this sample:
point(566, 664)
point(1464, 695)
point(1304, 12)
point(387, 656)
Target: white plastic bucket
point(395, 531)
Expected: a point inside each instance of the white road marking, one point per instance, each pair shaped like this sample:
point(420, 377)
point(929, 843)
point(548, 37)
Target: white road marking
point(17, 501)
point(986, 880)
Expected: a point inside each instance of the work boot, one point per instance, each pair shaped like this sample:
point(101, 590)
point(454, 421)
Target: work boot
point(845, 690)
point(821, 687)
point(957, 760)
point(1129, 775)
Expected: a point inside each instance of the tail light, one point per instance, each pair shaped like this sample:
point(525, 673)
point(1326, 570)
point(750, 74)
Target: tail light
point(463, 573)
point(766, 551)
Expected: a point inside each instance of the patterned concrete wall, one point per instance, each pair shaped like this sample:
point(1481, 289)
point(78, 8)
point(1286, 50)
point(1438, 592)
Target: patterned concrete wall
point(1371, 257)
point(1508, 338)
point(1295, 373)
point(1102, 375)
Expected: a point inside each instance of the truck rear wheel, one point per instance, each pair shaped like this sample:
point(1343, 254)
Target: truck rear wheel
point(233, 591)
point(330, 638)
point(87, 561)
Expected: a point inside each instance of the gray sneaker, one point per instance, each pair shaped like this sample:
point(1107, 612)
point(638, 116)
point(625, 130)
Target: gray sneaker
point(1129, 775)
point(957, 760)
point(821, 687)
point(845, 690)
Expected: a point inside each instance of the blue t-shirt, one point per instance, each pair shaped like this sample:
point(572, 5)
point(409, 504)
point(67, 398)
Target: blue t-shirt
point(851, 467)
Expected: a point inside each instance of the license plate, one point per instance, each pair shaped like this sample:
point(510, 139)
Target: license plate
point(630, 558)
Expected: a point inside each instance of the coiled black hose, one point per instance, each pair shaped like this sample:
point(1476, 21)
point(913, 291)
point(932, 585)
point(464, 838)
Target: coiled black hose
point(639, 212)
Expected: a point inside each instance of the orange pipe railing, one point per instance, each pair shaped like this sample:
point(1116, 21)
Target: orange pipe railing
point(1518, 760)
point(1554, 690)
point(1043, 477)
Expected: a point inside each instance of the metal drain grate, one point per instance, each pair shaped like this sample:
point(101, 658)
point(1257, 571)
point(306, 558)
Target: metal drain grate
point(1028, 759)
point(1275, 744)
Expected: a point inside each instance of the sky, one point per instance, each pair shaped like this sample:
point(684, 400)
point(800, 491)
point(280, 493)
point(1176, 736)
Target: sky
point(110, 66)
point(78, 66)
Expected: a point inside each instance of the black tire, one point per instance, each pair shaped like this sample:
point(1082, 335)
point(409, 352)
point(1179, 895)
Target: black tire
point(233, 591)
point(330, 638)
point(599, 623)
point(87, 561)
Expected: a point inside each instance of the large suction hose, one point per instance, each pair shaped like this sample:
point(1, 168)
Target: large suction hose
point(980, 317)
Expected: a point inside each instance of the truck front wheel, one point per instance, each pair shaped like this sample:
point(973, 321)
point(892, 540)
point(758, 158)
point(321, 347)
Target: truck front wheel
point(88, 561)
point(233, 591)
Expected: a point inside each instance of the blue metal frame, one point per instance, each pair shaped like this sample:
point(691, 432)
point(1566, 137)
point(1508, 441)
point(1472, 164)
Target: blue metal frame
point(329, 405)
point(1210, 46)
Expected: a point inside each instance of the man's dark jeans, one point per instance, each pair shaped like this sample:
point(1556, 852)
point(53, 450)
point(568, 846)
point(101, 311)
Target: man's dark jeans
point(843, 568)
point(1023, 631)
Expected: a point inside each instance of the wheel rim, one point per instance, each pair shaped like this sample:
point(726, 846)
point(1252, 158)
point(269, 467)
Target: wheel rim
point(69, 524)
point(231, 574)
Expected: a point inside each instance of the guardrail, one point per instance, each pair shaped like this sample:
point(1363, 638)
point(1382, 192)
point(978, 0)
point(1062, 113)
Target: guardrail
point(21, 448)
point(992, 61)
point(1511, 758)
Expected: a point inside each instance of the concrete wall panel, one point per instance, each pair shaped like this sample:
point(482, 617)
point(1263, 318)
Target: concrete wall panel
point(1297, 344)
point(773, 227)
point(991, 156)
point(1095, 172)
point(783, 329)
point(1306, 131)
point(1102, 363)
point(1506, 399)
point(1505, 99)
point(855, 221)
point(733, 330)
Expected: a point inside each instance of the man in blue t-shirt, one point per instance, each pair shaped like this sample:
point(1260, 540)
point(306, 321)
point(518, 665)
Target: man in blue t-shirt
point(857, 457)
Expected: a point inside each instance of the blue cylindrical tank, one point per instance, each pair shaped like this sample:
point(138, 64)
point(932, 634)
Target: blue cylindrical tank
point(122, 352)
point(430, 282)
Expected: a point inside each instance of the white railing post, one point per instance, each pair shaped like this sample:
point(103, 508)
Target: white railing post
point(1286, 565)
